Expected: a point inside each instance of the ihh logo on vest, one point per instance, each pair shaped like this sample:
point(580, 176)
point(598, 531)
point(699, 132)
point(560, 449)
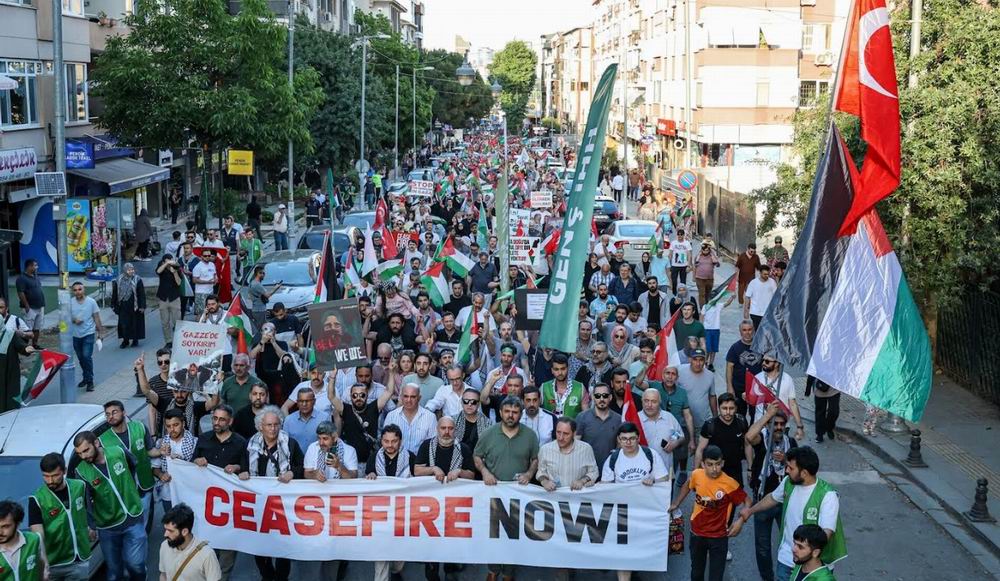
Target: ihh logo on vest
point(812, 513)
point(119, 468)
point(79, 504)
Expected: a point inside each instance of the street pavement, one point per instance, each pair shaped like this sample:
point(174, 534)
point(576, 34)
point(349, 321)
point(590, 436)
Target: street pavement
point(896, 526)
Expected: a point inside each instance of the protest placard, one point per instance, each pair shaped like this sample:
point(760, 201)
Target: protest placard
point(196, 355)
point(336, 334)
point(521, 248)
point(541, 200)
point(422, 188)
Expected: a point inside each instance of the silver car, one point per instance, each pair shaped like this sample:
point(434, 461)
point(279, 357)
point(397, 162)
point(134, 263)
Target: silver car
point(296, 270)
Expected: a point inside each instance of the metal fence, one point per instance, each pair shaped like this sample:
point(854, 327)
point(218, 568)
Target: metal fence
point(729, 216)
point(969, 340)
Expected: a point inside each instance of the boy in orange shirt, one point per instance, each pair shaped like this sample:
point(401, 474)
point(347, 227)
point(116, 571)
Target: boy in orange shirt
point(716, 495)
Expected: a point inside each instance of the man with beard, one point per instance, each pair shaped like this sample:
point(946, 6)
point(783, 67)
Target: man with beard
point(398, 335)
point(390, 461)
point(621, 389)
point(770, 442)
point(541, 421)
point(598, 426)
point(810, 541)
point(508, 354)
point(415, 422)
point(773, 377)
point(235, 390)
point(726, 431)
point(115, 507)
point(470, 422)
point(740, 359)
point(20, 552)
point(421, 377)
point(478, 306)
point(458, 300)
point(492, 396)
point(598, 369)
point(654, 305)
point(179, 398)
point(506, 452)
point(359, 419)
point(57, 513)
point(132, 437)
point(182, 556)
point(449, 333)
point(243, 420)
point(223, 449)
point(561, 395)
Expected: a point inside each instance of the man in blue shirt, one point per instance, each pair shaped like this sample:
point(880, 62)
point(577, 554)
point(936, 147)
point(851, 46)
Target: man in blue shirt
point(302, 424)
point(624, 288)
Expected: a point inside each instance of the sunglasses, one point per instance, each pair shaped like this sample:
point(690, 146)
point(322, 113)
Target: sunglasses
point(602, 396)
point(358, 396)
point(163, 362)
point(469, 401)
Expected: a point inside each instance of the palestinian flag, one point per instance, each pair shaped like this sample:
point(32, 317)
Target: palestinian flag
point(434, 281)
point(370, 261)
point(389, 269)
point(843, 312)
point(722, 292)
point(656, 239)
point(469, 334)
point(459, 263)
point(40, 372)
point(352, 279)
point(483, 228)
point(326, 279)
point(237, 318)
point(187, 291)
point(668, 352)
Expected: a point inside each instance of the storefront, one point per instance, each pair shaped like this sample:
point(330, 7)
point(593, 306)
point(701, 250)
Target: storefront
point(23, 209)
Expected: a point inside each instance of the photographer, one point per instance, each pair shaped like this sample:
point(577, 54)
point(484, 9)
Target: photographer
point(259, 296)
point(169, 294)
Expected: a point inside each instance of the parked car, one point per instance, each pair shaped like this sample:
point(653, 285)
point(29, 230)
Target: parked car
point(312, 239)
point(635, 234)
point(421, 173)
point(606, 211)
point(360, 220)
point(31, 432)
point(296, 271)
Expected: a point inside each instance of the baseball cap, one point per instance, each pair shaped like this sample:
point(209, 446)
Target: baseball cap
point(282, 206)
point(698, 353)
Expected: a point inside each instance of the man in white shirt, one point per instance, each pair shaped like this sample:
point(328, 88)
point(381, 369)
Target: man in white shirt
point(540, 420)
point(280, 226)
point(417, 423)
point(329, 457)
point(205, 277)
point(758, 295)
point(663, 431)
point(213, 240)
point(680, 260)
point(617, 185)
point(448, 399)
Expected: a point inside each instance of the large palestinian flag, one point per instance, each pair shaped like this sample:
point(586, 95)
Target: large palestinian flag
point(843, 312)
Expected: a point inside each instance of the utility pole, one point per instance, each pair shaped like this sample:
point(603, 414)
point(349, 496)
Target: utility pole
point(291, 85)
point(624, 74)
point(67, 377)
point(361, 159)
point(414, 150)
point(688, 59)
point(395, 147)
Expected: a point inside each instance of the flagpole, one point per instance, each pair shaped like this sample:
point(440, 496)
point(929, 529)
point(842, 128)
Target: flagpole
point(838, 77)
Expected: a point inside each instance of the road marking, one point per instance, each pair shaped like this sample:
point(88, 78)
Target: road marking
point(856, 477)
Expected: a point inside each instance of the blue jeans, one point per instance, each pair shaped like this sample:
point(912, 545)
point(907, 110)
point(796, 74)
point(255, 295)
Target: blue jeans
point(281, 240)
point(84, 349)
point(782, 572)
point(125, 551)
point(763, 523)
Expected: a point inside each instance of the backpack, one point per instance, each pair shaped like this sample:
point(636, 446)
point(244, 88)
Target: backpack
point(645, 450)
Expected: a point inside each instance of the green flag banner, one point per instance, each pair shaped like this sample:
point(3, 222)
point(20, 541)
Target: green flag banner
point(559, 328)
point(502, 230)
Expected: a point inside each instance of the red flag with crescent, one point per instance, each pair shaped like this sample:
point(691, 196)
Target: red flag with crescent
point(868, 90)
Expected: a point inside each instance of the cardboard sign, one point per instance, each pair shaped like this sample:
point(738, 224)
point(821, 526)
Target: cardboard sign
point(519, 215)
point(336, 334)
point(541, 200)
point(422, 188)
point(521, 249)
point(530, 303)
point(197, 354)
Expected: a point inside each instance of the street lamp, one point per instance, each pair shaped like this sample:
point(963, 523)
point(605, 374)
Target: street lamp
point(465, 73)
point(364, 75)
point(496, 89)
point(415, 69)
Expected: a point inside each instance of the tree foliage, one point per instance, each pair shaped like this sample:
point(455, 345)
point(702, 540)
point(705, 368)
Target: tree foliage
point(950, 155)
point(514, 67)
point(189, 70)
point(453, 103)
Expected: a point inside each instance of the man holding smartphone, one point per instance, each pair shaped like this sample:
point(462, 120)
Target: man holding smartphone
point(329, 457)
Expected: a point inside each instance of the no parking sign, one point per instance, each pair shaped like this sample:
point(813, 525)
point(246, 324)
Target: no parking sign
point(687, 180)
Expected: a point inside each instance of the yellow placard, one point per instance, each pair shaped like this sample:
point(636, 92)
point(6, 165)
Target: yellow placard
point(240, 162)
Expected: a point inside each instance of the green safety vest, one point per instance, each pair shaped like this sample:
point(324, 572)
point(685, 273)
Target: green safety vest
point(66, 538)
point(137, 446)
point(573, 403)
point(836, 548)
point(821, 574)
point(115, 498)
point(29, 565)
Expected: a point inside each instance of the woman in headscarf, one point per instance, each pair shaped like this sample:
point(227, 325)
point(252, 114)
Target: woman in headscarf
point(620, 351)
point(143, 234)
point(128, 301)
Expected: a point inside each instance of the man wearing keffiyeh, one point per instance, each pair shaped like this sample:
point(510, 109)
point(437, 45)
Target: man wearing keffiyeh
point(177, 442)
point(390, 460)
point(472, 421)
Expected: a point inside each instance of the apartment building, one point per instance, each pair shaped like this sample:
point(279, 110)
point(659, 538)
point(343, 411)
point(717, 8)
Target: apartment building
point(568, 62)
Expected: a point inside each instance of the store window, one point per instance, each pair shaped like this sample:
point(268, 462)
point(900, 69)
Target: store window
point(19, 107)
point(77, 110)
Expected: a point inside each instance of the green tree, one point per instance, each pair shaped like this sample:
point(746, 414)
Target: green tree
point(453, 103)
point(945, 217)
point(188, 70)
point(514, 68)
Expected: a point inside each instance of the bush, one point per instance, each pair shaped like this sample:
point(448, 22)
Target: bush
point(233, 202)
point(552, 123)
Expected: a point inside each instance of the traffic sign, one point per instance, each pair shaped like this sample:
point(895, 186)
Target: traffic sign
point(362, 166)
point(687, 180)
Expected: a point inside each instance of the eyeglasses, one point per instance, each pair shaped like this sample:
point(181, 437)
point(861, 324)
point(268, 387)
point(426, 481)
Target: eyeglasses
point(602, 396)
point(163, 362)
point(358, 396)
point(469, 401)
point(628, 438)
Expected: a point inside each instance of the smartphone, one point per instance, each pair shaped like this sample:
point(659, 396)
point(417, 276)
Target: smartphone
point(330, 456)
point(663, 443)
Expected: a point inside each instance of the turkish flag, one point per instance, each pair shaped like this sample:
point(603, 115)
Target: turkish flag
point(868, 90)
point(630, 413)
point(759, 394)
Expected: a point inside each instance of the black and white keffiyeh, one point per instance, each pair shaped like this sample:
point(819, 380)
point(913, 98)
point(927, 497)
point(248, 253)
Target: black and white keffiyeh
point(402, 464)
point(277, 462)
point(456, 455)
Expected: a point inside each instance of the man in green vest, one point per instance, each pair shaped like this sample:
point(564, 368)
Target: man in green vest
point(115, 506)
point(804, 499)
point(22, 557)
point(563, 396)
point(132, 437)
point(810, 540)
point(57, 513)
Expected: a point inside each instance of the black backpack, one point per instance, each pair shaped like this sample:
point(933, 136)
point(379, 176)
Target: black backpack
point(645, 450)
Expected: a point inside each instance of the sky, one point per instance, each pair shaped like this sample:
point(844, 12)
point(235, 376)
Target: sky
point(493, 23)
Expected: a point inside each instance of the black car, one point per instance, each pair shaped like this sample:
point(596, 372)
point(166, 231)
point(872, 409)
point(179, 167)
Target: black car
point(606, 211)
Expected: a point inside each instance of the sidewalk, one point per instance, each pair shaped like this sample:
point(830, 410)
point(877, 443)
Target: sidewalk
point(959, 430)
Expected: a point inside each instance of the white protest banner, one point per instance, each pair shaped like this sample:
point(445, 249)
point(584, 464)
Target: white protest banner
point(520, 249)
point(422, 188)
point(541, 200)
point(197, 354)
point(607, 526)
point(520, 216)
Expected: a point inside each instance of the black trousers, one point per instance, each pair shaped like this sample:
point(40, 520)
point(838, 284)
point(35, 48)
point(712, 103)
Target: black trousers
point(432, 570)
point(756, 320)
point(827, 412)
point(711, 552)
point(675, 273)
point(273, 569)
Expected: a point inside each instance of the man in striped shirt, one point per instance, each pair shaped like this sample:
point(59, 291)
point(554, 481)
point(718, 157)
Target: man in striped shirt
point(566, 461)
point(416, 422)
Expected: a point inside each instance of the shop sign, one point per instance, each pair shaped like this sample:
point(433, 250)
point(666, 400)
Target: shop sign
point(79, 155)
point(240, 162)
point(666, 127)
point(17, 164)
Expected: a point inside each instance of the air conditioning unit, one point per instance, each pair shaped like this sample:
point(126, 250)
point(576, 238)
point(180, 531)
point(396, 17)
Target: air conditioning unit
point(825, 59)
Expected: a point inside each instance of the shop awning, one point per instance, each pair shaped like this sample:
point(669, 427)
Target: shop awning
point(124, 174)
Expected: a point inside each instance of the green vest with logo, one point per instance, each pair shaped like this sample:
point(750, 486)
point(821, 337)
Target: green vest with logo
point(29, 566)
point(66, 538)
point(115, 498)
point(821, 574)
point(574, 401)
point(137, 446)
point(836, 548)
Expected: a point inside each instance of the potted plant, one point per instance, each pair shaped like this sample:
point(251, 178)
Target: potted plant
point(102, 18)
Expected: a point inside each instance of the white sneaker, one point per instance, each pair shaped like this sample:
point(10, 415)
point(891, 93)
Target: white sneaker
point(729, 555)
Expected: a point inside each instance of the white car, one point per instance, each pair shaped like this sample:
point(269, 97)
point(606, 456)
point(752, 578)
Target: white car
point(28, 434)
point(635, 235)
point(296, 271)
